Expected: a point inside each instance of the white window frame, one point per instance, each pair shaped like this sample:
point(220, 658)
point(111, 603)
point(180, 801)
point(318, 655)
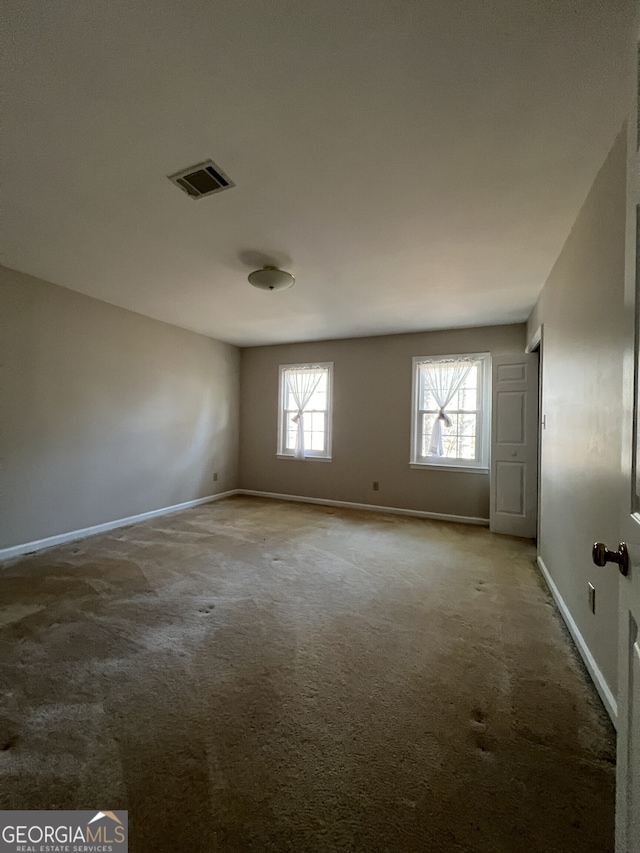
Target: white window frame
point(483, 430)
point(316, 455)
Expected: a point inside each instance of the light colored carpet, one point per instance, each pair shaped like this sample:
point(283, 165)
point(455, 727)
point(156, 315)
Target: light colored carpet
point(253, 675)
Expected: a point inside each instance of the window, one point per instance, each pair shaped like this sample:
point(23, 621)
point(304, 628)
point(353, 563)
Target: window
point(304, 428)
point(451, 411)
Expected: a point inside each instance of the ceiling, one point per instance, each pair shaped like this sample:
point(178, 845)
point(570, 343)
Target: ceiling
point(416, 164)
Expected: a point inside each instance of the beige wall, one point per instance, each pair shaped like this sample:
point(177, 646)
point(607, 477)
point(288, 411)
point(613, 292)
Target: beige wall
point(371, 422)
point(581, 310)
point(105, 413)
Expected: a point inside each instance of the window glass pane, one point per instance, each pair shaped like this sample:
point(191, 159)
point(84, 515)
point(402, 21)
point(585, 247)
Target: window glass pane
point(467, 425)
point(318, 399)
point(465, 396)
point(291, 434)
point(428, 400)
point(316, 441)
point(471, 380)
point(450, 445)
point(458, 440)
point(467, 399)
point(427, 427)
point(466, 448)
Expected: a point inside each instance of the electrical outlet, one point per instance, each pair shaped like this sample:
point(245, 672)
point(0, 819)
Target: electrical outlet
point(592, 597)
point(215, 476)
point(376, 486)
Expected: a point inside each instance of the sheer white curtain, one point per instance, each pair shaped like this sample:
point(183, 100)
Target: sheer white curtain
point(302, 382)
point(442, 379)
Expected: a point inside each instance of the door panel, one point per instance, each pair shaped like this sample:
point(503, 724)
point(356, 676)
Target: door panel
point(511, 424)
point(511, 373)
point(511, 487)
point(514, 444)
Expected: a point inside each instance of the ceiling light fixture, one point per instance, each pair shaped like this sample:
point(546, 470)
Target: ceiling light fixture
point(271, 278)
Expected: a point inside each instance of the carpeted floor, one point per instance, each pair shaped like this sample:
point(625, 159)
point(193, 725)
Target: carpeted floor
point(253, 675)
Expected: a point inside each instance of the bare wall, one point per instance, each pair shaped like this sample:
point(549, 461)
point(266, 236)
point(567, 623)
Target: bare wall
point(105, 413)
point(371, 422)
point(581, 311)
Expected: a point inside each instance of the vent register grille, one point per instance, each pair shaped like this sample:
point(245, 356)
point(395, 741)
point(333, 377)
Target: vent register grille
point(202, 180)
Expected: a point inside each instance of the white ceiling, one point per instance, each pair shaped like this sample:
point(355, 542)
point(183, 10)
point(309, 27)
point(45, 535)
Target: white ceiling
point(417, 164)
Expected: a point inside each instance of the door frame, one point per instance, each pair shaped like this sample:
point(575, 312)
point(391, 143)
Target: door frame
point(536, 344)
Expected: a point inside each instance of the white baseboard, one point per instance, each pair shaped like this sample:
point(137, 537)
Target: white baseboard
point(60, 538)
point(608, 699)
point(418, 513)
point(73, 535)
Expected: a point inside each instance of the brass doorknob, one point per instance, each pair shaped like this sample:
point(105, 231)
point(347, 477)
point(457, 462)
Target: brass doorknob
point(602, 555)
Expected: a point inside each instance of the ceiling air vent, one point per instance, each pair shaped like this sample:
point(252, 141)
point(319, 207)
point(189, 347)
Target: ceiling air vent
point(201, 180)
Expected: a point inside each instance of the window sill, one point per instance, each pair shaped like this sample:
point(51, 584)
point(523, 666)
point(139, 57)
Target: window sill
point(306, 458)
point(461, 469)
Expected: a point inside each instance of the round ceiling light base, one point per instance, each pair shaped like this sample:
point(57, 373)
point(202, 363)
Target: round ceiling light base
point(271, 278)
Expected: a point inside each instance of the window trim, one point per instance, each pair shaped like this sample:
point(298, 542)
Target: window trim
point(310, 455)
point(481, 464)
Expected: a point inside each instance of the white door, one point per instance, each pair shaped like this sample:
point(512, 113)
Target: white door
point(514, 444)
point(628, 755)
